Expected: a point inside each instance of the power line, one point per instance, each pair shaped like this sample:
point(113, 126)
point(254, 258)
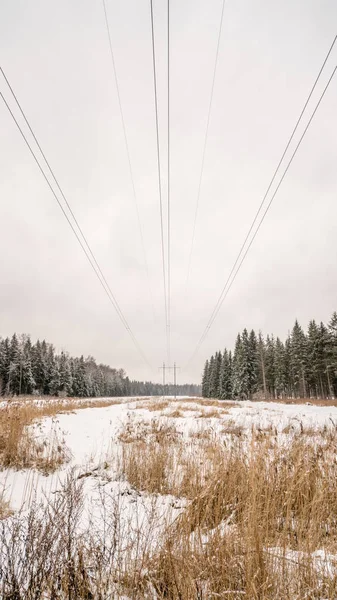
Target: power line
point(205, 144)
point(159, 172)
point(83, 242)
point(273, 177)
point(225, 292)
point(168, 190)
point(128, 155)
point(276, 172)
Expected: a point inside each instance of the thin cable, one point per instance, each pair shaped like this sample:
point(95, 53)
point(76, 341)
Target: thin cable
point(89, 255)
point(159, 170)
point(205, 144)
point(128, 157)
point(168, 191)
point(55, 179)
point(224, 294)
point(275, 172)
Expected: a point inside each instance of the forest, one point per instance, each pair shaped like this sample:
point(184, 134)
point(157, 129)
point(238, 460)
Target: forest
point(27, 368)
point(303, 366)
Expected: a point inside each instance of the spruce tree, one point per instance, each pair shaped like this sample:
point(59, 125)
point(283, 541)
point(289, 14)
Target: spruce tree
point(253, 364)
point(214, 379)
point(39, 366)
point(299, 360)
point(262, 366)
point(14, 382)
point(332, 353)
point(66, 380)
point(225, 385)
point(270, 365)
point(280, 375)
point(240, 367)
point(205, 381)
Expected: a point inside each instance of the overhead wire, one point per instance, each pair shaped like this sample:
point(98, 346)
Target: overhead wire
point(276, 172)
point(205, 144)
point(161, 212)
point(230, 281)
point(128, 156)
point(81, 238)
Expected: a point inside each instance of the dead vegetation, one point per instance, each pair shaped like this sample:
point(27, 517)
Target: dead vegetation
point(256, 509)
point(21, 447)
point(250, 529)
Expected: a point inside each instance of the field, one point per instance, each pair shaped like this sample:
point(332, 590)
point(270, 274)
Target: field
point(157, 498)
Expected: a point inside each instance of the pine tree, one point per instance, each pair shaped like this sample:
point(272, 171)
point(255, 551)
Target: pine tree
point(280, 376)
point(299, 360)
point(214, 378)
point(262, 366)
point(225, 385)
point(314, 368)
point(80, 387)
point(270, 365)
point(253, 364)
point(332, 353)
point(240, 367)
point(39, 366)
point(14, 367)
point(66, 379)
point(211, 374)
point(205, 381)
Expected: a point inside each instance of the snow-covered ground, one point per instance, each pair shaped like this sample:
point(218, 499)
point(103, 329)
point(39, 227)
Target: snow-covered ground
point(92, 438)
point(91, 435)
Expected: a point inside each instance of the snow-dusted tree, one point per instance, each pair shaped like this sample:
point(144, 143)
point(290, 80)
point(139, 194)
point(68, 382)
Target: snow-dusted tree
point(240, 367)
point(66, 379)
point(253, 364)
point(280, 378)
point(79, 384)
point(225, 385)
point(270, 364)
point(14, 373)
point(332, 353)
point(299, 360)
point(214, 378)
point(39, 366)
point(205, 381)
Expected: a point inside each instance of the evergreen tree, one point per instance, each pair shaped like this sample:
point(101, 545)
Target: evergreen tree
point(66, 378)
point(214, 378)
point(253, 364)
point(332, 353)
point(205, 381)
point(280, 377)
point(270, 365)
point(225, 385)
point(79, 387)
point(39, 366)
point(299, 360)
point(14, 367)
point(240, 380)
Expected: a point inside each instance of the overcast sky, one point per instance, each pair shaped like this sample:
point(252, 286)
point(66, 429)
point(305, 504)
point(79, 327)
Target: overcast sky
point(56, 56)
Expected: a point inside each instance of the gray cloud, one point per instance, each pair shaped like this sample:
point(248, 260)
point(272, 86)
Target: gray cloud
point(56, 56)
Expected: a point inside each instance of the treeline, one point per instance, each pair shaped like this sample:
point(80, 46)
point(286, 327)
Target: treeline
point(304, 366)
point(27, 368)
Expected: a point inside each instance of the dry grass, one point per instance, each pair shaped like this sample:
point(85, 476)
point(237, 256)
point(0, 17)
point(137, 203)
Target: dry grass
point(210, 414)
point(249, 530)
point(5, 510)
point(232, 428)
point(177, 413)
point(157, 404)
point(211, 402)
point(256, 512)
point(19, 446)
point(313, 401)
